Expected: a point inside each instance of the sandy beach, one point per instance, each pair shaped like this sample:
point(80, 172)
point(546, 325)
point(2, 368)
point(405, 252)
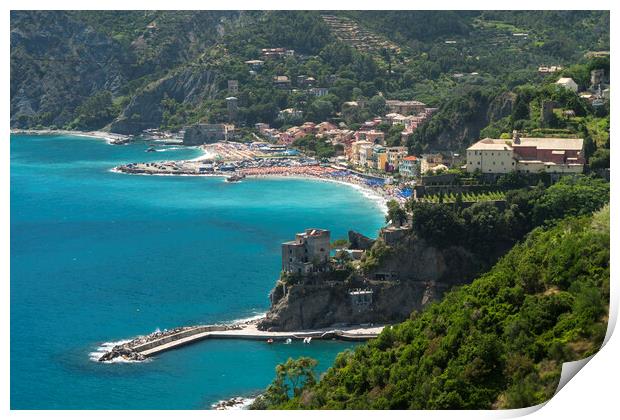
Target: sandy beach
point(102, 135)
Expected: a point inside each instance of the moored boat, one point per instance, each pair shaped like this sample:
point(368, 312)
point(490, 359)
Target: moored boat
point(235, 178)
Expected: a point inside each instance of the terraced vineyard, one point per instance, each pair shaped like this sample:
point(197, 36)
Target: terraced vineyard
point(466, 197)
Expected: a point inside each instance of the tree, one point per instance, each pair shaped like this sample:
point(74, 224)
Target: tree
point(521, 110)
point(321, 110)
point(96, 111)
point(292, 377)
point(342, 257)
point(600, 159)
point(396, 214)
point(394, 135)
point(377, 105)
point(437, 223)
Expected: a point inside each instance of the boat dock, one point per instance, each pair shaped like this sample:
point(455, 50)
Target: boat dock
point(141, 348)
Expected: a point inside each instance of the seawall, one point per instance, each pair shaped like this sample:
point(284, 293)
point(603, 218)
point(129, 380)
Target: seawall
point(180, 337)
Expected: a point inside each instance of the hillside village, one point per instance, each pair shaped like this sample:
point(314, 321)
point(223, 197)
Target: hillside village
point(376, 152)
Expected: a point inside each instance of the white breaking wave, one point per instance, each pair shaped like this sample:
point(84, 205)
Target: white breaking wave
point(240, 403)
point(255, 317)
point(171, 148)
point(106, 347)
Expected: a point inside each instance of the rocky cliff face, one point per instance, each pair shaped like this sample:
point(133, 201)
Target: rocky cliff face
point(410, 276)
point(189, 85)
point(302, 307)
point(56, 63)
point(59, 59)
point(413, 259)
point(359, 241)
point(459, 121)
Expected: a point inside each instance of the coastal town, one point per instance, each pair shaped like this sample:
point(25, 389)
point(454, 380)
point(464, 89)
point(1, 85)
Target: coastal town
point(364, 156)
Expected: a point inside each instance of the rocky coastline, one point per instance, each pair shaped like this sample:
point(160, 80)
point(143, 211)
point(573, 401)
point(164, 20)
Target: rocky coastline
point(410, 275)
point(234, 403)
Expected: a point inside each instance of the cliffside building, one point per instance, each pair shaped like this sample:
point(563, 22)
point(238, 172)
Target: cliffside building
point(308, 253)
point(361, 299)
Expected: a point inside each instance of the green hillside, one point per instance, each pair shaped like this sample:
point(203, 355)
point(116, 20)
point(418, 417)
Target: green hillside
point(164, 69)
point(497, 343)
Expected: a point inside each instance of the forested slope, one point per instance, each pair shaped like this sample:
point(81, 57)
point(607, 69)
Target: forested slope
point(129, 70)
point(497, 343)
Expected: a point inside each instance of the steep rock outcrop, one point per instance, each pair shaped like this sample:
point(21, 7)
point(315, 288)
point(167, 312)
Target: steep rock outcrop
point(319, 306)
point(57, 62)
point(188, 85)
point(359, 241)
point(413, 259)
point(459, 121)
point(408, 276)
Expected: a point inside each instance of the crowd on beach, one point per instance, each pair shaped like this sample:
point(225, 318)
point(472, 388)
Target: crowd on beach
point(385, 191)
point(232, 159)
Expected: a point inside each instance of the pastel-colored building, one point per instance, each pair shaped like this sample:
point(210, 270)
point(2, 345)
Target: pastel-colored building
point(394, 156)
point(409, 166)
point(365, 155)
point(356, 148)
point(206, 133)
point(282, 82)
point(374, 136)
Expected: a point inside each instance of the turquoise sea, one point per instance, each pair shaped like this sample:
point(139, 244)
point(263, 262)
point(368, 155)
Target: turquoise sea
point(98, 257)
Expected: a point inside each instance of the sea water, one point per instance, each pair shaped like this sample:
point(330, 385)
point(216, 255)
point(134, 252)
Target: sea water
point(99, 257)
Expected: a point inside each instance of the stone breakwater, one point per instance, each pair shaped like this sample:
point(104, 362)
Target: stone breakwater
point(143, 347)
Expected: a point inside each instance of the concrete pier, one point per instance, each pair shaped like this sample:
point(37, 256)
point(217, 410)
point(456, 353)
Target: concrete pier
point(240, 332)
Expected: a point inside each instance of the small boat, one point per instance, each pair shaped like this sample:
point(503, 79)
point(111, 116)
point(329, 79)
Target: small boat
point(235, 178)
point(307, 340)
point(288, 341)
point(150, 149)
point(270, 341)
